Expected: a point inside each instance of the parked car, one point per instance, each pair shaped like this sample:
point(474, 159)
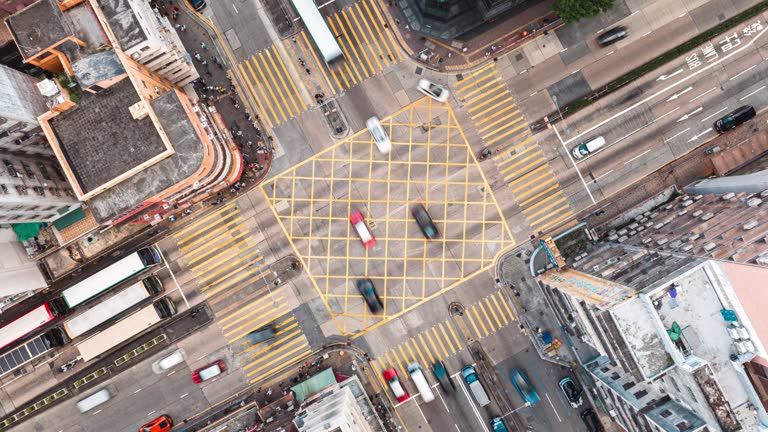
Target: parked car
point(734, 118)
point(497, 425)
point(571, 392)
point(357, 220)
point(441, 373)
point(379, 135)
point(197, 5)
point(209, 371)
point(591, 421)
point(163, 423)
point(524, 387)
point(475, 386)
point(424, 220)
point(612, 36)
point(390, 375)
point(368, 291)
point(435, 91)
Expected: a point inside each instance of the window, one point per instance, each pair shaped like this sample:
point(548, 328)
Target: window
point(3, 189)
point(11, 170)
point(59, 174)
point(38, 190)
point(44, 170)
point(22, 190)
point(55, 192)
point(28, 170)
point(674, 384)
point(693, 395)
point(666, 413)
point(640, 394)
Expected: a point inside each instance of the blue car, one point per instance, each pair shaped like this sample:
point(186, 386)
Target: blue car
point(524, 387)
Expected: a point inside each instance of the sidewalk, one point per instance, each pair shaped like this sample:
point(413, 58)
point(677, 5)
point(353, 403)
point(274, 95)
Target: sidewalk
point(482, 45)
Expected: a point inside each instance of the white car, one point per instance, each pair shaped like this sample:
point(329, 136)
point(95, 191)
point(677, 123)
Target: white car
point(379, 135)
point(435, 91)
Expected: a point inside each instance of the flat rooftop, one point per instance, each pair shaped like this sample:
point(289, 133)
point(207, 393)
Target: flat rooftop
point(636, 324)
point(101, 140)
point(38, 26)
point(186, 160)
point(123, 22)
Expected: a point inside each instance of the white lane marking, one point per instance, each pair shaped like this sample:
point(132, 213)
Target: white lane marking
point(742, 72)
point(666, 77)
point(457, 427)
point(710, 90)
point(610, 53)
point(553, 407)
point(661, 117)
point(598, 178)
point(677, 135)
point(645, 34)
point(695, 137)
point(578, 171)
point(533, 94)
point(669, 87)
point(562, 50)
point(707, 118)
point(627, 135)
point(598, 32)
point(326, 4)
point(752, 93)
point(677, 95)
point(173, 276)
point(184, 395)
point(151, 412)
point(443, 400)
point(233, 7)
point(137, 391)
point(472, 404)
point(640, 155)
point(172, 372)
point(576, 71)
point(97, 412)
point(690, 114)
point(635, 12)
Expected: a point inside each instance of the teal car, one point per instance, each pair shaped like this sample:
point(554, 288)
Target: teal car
point(524, 387)
point(497, 424)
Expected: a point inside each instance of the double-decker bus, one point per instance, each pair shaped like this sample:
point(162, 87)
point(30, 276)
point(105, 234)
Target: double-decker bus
point(112, 307)
point(33, 320)
point(318, 29)
point(110, 276)
point(126, 329)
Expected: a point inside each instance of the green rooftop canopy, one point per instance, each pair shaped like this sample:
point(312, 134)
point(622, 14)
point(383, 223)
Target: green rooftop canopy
point(28, 230)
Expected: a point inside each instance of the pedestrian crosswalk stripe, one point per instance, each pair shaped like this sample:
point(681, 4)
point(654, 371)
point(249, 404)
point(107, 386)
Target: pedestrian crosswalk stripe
point(216, 232)
point(506, 118)
point(182, 232)
point(447, 339)
point(461, 86)
point(426, 348)
point(493, 312)
point(232, 265)
point(197, 257)
point(277, 360)
point(268, 303)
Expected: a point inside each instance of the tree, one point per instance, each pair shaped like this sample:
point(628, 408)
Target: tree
point(573, 10)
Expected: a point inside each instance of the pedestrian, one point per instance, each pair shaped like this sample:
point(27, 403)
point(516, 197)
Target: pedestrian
point(397, 21)
point(407, 27)
point(450, 54)
point(293, 39)
point(205, 63)
point(183, 28)
point(307, 69)
point(464, 49)
point(203, 46)
point(177, 26)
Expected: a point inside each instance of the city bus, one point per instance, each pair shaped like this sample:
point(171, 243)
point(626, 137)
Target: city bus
point(126, 329)
point(110, 276)
point(33, 320)
point(112, 307)
point(318, 29)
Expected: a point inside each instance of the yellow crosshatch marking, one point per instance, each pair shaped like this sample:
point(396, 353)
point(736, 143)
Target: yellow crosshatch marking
point(430, 163)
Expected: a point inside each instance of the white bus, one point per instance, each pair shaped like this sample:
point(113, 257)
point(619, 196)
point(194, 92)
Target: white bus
point(113, 306)
point(110, 276)
point(126, 329)
point(318, 29)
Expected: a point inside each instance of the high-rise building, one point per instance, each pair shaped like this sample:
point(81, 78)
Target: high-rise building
point(334, 409)
point(129, 140)
point(680, 337)
point(20, 105)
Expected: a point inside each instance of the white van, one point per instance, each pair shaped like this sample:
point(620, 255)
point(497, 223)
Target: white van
point(168, 362)
point(379, 135)
point(421, 382)
point(588, 147)
point(94, 400)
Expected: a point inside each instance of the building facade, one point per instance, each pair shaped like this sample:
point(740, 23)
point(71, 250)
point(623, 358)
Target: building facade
point(20, 105)
point(334, 409)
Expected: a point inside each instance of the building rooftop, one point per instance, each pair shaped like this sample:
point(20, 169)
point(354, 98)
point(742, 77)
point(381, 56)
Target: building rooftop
point(665, 412)
point(123, 22)
point(97, 67)
point(636, 323)
point(725, 226)
point(182, 164)
point(101, 140)
point(38, 27)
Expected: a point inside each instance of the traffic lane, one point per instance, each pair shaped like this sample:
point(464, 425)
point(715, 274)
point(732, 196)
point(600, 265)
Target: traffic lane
point(244, 19)
point(552, 412)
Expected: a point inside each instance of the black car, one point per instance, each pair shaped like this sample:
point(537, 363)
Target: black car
point(425, 221)
point(438, 367)
point(590, 419)
point(735, 118)
point(368, 291)
point(612, 36)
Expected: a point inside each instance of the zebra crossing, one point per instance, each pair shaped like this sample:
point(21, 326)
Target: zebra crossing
point(518, 157)
point(283, 79)
point(447, 338)
point(220, 251)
